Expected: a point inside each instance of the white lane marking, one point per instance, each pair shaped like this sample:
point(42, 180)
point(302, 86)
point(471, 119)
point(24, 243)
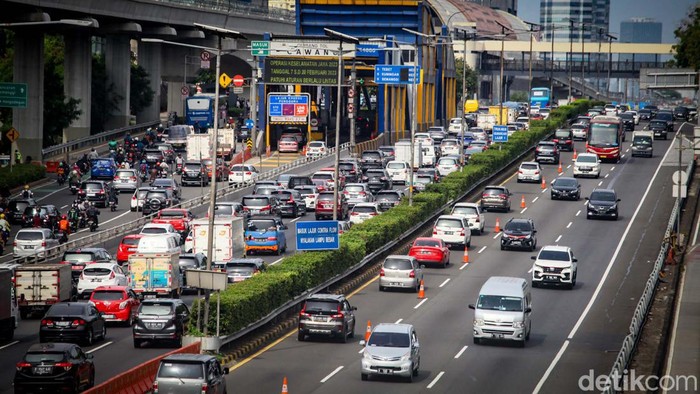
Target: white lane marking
point(8, 345)
point(463, 266)
point(330, 375)
point(612, 168)
point(606, 175)
point(460, 352)
point(445, 282)
point(558, 238)
point(398, 321)
point(496, 236)
point(544, 190)
point(277, 261)
point(430, 386)
point(294, 220)
point(594, 297)
point(482, 249)
point(523, 210)
point(569, 166)
point(530, 270)
point(104, 345)
point(578, 213)
point(600, 183)
point(420, 303)
point(535, 199)
point(569, 225)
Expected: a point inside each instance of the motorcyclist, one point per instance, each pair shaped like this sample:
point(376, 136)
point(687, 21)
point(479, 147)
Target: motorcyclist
point(92, 213)
point(26, 193)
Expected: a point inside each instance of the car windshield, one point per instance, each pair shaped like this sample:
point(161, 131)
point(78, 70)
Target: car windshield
point(255, 201)
point(554, 255)
point(398, 264)
point(78, 257)
point(389, 339)
point(172, 214)
point(321, 306)
point(44, 357)
point(66, 309)
point(29, 236)
point(465, 211)
point(154, 230)
point(450, 223)
point(427, 242)
point(518, 226)
point(587, 159)
point(157, 309)
point(181, 370)
point(500, 303)
point(108, 295)
point(603, 196)
point(261, 224)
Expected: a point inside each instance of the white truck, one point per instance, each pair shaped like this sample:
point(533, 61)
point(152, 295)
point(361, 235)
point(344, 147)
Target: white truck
point(38, 286)
point(155, 274)
point(228, 237)
point(199, 147)
point(485, 121)
point(8, 306)
point(226, 145)
point(424, 154)
point(177, 136)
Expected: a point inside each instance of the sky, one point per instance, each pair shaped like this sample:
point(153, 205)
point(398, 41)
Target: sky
point(668, 12)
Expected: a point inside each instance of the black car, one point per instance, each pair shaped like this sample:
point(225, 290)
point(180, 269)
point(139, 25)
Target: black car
point(72, 322)
point(387, 199)
point(191, 261)
point(292, 203)
point(161, 320)
point(519, 233)
point(602, 204)
point(547, 151)
point(659, 128)
point(158, 199)
point(564, 138)
point(327, 314)
point(681, 113)
point(94, 191)
point(16, 208)
point(645, 114)
point(153, 155)
point(627, 121)
point(565, 188)
point(194, 173)
point(54, 367)
point(378, 179)
point(49, 214)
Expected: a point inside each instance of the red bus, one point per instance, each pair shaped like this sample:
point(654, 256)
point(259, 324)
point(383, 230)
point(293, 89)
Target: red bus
point(605, 137)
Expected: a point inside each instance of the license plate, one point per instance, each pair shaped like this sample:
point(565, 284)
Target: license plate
point(42, 370)
point(108, 316)
point(385, 371)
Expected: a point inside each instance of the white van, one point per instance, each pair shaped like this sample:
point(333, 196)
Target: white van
point(502, 311)
point(165, 243)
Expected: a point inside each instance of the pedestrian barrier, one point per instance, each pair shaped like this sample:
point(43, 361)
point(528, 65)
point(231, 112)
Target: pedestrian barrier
point(140, 378)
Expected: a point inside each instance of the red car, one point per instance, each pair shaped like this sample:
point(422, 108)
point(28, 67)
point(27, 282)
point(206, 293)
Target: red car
point(430, 250)
point(117, 303)
point(179, 218)
point(127, 247)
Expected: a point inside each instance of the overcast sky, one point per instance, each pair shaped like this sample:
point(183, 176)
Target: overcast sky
point(668, 12)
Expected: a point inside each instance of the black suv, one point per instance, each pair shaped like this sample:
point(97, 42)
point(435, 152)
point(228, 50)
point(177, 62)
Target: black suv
point(94, 191)
point(55, 367)
point(327, 314)
point(519, 233)
point(16, 208)
point(193, 173)
point(602, 204)
point(547, 151)
point(291, 202)
point(161, 320)
point(158, 199)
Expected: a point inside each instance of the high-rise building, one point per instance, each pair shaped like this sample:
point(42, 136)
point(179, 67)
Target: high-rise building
point(593, 15)
point(640, 30)
point(509, 6)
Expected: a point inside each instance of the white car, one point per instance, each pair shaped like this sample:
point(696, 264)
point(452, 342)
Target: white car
point(449, 146)
point(310, 194)
point(161, 229)
point(100, 274)
point(242, 173)
point(455, 125)
point(33, 242)
point(529, 171)
point(587, 164)
point(447, 165)
point(316, 148)
point(398, 171)
point(473, 213)
point(554, 265)
point(363, 211)
point(453, 230)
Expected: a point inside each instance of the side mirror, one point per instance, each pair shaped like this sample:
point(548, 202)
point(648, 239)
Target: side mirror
point(528, 310)
point(471, 306)
point(362, 342)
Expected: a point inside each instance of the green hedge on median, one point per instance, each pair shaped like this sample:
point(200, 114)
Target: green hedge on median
point(19, 175)
point(255, 298)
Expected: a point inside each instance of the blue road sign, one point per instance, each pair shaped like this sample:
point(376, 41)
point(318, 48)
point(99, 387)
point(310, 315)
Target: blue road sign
point(249, 123)
point(500, 134)
point(395, 75)
point(317, 235)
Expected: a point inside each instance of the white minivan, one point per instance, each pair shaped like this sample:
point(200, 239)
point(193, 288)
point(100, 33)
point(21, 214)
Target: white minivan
point(502, 311)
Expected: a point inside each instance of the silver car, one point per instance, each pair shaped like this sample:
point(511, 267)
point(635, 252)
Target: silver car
point(126, 179)
point(400, 271)
point(190, 373)
point(357, 193)
point(391, 350)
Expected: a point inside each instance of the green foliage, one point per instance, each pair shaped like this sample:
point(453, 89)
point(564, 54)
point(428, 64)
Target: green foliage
point(20, 174)
point(141, 94)
point(688, 47)
point(104, 99)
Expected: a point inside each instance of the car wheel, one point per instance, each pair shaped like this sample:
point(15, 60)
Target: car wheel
point(364, 376)
point(90, 339)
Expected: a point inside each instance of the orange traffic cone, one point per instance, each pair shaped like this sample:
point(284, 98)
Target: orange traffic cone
point(368, 332)
point(559, 170)
point(421, 292)
point(284, 386)
point(498, 226)
point(465, 258)
point(575, 154)
point(522, 202)
point(544, 185)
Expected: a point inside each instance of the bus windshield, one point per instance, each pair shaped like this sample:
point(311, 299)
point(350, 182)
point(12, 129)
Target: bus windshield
point(604, 134)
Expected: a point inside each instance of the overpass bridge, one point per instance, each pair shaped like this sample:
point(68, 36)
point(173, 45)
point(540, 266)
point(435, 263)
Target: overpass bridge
point(117, 23)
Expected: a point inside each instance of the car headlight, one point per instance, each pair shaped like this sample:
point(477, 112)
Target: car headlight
point(478, 322)
point(518, 324)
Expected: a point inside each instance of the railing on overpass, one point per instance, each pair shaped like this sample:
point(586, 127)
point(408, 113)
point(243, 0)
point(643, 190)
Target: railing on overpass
point(592, 68)
point(236, 7)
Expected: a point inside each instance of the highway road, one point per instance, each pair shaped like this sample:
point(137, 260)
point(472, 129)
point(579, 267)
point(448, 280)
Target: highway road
point(575, 332)
point(119, 344)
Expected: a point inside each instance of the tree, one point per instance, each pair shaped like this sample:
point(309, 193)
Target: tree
point(141, 94)
point(104, 100)
point(688, 46)
point(471, 79)
point(59, 111)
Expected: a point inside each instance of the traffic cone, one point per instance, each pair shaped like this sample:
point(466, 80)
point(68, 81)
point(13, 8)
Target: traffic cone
point(368, 332)
point(522, 202)
point(465, 258)
point(575, 154)
point(284, 386)
point(498, 226)
point(559, 170)
point(544, 185)
point(421, 292)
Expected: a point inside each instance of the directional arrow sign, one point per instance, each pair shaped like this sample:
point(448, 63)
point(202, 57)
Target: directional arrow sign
point(224, 80)
point(13, 95)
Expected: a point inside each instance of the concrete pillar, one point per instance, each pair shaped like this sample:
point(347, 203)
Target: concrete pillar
point(28, 67)
point(118, 65)
point(176, 103)
point(150, 58)
point(77, 82)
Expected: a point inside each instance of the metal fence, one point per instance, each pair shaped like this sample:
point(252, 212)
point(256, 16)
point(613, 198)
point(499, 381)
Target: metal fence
point(640, 312)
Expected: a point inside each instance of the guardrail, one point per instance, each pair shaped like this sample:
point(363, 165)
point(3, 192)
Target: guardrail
point(640, 312)
point(126, 228)
point(62, 150)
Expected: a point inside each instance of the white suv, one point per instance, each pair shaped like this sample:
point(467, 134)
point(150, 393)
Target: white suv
point(453, 230)
point(530, 171)
point(473, 213)
point(587, 164)
point(554, 265)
